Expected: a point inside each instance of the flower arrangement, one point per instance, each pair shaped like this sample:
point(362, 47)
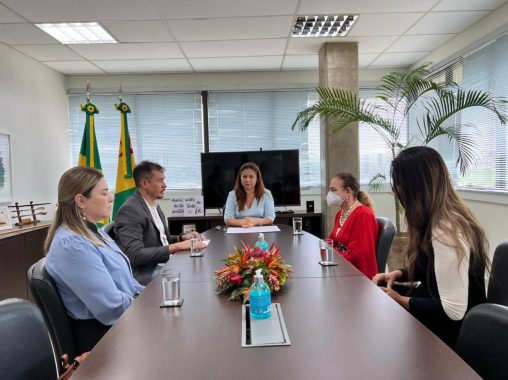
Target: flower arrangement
point(241, 265)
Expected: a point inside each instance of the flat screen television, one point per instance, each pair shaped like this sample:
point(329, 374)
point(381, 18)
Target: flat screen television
point(280, 170)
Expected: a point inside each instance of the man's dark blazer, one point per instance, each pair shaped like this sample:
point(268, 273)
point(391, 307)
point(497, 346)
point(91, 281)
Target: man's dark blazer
point(138, 237)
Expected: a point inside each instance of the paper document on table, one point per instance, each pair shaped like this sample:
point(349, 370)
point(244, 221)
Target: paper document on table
point(241, 230)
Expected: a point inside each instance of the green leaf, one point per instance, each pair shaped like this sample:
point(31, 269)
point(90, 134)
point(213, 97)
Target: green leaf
point(377, 182)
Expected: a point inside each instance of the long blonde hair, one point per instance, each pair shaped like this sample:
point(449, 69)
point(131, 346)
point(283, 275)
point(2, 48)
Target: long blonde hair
point(421, 182)
point(349, 180)
point(78, 180)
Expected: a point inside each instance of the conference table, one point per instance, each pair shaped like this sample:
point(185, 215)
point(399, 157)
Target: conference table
point(340, 324)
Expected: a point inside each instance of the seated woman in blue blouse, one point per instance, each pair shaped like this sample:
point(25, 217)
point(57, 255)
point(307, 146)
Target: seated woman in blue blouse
point(249, 204)
point(92, 275)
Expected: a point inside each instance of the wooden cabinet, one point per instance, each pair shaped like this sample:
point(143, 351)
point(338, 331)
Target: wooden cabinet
point(312, 222)
point(19, 249)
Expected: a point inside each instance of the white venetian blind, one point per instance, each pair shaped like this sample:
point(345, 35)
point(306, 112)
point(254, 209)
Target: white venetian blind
point(243, 121)
point(487, 69)
point(164, 128)
point(375, 155)
point(484, 69)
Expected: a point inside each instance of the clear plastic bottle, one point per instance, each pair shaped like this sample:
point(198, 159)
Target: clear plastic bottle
point(260, 298)
point(261, 243)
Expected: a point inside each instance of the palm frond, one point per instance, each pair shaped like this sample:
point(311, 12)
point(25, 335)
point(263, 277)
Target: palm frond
point(446, 104)
point(342, 108)
point(407, 87)
point(377, 182)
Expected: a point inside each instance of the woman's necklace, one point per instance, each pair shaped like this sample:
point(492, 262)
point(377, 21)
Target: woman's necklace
point(345, 215)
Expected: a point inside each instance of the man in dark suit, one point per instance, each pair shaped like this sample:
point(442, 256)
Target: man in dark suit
point(140, 227)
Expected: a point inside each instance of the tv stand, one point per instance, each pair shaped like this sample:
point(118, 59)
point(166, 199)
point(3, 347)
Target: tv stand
point(312, 222)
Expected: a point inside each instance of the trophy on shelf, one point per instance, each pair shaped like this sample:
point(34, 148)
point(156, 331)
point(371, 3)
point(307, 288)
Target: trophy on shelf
point(27, 214)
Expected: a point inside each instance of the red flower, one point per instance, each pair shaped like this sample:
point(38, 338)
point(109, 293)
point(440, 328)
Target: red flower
point(235, 279)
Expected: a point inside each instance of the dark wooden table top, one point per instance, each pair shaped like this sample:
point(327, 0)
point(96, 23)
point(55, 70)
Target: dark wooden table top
point(340, 326)
point(301, 251)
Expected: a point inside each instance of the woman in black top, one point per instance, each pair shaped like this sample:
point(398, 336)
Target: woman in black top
point(447, 250)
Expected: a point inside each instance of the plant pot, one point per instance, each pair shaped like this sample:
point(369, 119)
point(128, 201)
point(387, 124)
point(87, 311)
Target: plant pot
point(396, 258)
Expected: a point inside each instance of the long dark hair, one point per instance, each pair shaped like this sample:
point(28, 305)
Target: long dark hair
point(349, 180)
point(421, 182)
point(259, 190)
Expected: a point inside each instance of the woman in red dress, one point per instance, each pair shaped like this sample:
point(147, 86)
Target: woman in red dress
point(356, 230)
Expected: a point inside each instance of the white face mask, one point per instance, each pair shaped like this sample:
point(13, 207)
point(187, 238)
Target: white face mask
point(333, 199)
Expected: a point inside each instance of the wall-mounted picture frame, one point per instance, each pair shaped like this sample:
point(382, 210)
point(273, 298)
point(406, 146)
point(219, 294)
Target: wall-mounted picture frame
point(5, 219)
point(5, 169)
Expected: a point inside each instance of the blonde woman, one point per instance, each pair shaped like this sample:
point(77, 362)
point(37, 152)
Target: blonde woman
point(91, 273)
point(355, 231)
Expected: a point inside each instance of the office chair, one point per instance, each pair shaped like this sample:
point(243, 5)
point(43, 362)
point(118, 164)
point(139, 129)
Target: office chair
point(50, 303)
point(386, 232)
point(25, 347)
point(110, 230)
point(498, 283)
point(483, 340)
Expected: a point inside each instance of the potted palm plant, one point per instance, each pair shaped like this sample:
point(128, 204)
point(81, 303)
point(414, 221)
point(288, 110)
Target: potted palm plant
point(401, 95)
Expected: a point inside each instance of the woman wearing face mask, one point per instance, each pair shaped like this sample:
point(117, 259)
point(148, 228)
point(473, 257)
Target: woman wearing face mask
point(356, 231)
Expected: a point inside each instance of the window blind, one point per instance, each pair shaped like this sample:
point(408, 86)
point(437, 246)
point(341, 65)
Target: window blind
point(484, 69)
point(164, 128)
point(375, 154)
point(253, 120)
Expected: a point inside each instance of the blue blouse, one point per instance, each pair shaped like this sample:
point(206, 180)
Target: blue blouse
point(262, 209)
point(94, 282)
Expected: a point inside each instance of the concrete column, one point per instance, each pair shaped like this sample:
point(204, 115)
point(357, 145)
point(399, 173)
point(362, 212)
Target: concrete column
point(338, 68)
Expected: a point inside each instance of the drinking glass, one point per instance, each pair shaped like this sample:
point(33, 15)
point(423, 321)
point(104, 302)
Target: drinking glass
point(194, 247)
point(327, 252)
point(170, 287)
point(297, 226)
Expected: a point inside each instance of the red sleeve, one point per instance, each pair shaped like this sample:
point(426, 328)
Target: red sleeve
point(361, 250)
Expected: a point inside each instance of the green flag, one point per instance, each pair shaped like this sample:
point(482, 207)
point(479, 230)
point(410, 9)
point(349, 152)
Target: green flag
point(125, 185)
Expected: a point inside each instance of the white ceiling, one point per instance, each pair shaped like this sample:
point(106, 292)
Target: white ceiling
point(231, 35)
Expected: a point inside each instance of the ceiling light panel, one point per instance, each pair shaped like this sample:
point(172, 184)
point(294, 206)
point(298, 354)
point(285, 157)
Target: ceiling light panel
point(323, 25)
point(78, 33)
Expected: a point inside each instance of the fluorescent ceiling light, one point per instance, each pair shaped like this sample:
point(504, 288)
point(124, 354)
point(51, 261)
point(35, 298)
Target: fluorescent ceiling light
point(323, 25)
point(78, 33)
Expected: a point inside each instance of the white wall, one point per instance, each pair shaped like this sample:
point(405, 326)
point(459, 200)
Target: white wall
point(247, 80)
point(34, 114)
point(483, 30)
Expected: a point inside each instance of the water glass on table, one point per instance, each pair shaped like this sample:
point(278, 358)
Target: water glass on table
point(195, 244)
point(171, 288)
point(297, 226)
point(327, 252)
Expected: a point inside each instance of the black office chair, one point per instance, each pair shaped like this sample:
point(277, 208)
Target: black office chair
point(483, 340)
point(498, 283)
point(386, 232)
point(25, 348)
point(110, 230)
point(50, 303)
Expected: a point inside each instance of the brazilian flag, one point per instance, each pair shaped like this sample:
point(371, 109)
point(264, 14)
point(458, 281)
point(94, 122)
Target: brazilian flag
point(125, 185)
point(89, 153)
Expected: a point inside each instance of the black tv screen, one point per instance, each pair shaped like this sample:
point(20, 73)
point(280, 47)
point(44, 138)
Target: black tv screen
point(280, 170)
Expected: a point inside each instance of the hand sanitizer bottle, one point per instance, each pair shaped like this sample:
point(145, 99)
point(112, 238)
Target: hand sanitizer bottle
point(260, 298)
point(261, 243)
